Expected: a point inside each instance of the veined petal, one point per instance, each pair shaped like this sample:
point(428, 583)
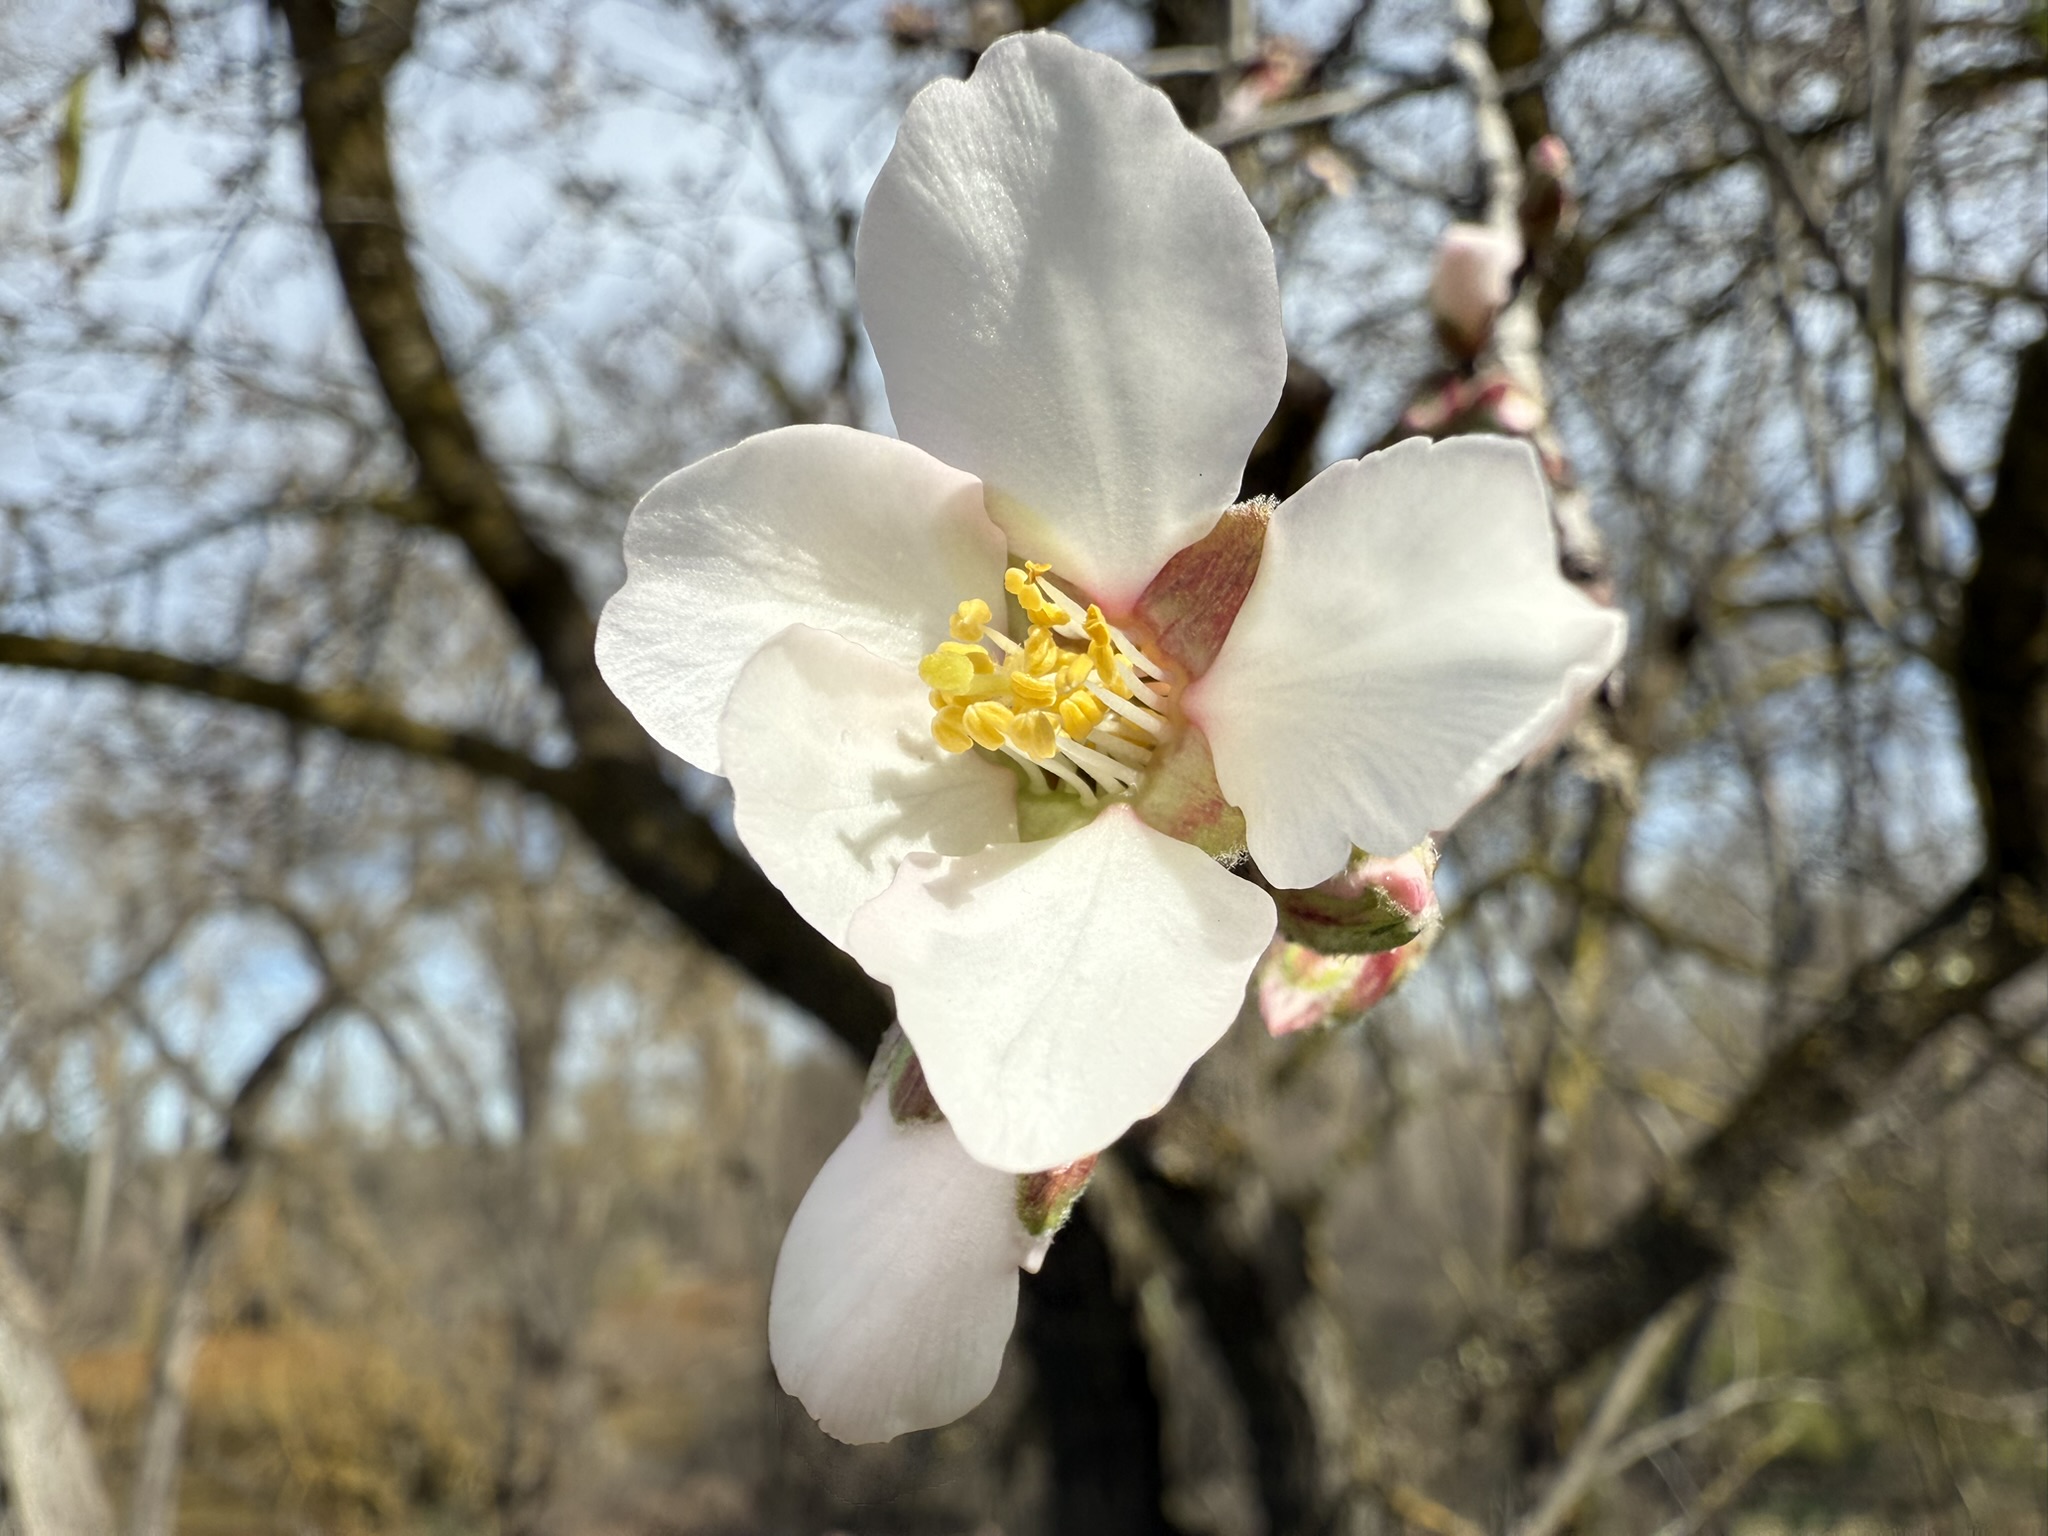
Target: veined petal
point(846, 531)
point(1058, 991)
point(1408, 639)
point(897, 1284)
point(835, 776)
point(1071, 297)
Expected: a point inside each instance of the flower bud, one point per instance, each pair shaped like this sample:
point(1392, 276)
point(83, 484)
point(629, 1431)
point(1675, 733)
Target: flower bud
point(1485, 402)
point(1300, 989)
point(1376, 904)
point(1045, 1201)
point(1550, 206)
point(1470, 284)
point(1278, 70)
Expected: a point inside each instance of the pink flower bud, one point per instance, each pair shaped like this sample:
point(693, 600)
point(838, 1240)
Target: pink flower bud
point(1470, 285)
point(1279, 70)
point(1376, 904)
point(1550, 206)
point(1301, 989)
point(1486, 402)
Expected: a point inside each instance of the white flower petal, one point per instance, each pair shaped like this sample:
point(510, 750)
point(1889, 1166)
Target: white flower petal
point(897, 1284)
point(1408, 640)
point(1058, 991)
point(835, 776)
point(1071, 297)
point(861, 535)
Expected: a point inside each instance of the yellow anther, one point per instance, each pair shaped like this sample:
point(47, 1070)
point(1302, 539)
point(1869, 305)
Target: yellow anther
point(989, 724)
point(1023, 586)
point(977, 658)
point(1041, 651)
point(986, 685)
point(946, 670)
point(949, 731)
point(1035, 733)
point(1080, 713)
point(1033, 692)
point(968, 619)
point(1036, 700)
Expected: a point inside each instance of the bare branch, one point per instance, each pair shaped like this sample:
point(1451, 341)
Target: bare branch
point(620, 795)
point(349, 711)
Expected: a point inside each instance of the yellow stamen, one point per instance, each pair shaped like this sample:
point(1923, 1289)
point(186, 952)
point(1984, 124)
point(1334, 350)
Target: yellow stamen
point(988, 723)
point(1080, 713)
point(969, 619)
point(1041, 651)
point(1033, 692)
point(1036, 733)
point(977, 658)
point(949, 732)
point(947, 671)
point(1041, 700)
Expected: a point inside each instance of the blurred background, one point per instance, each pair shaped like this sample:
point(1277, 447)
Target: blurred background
point(404, 1083)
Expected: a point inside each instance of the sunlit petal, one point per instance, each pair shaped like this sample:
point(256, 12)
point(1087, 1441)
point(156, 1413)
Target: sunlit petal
point(1058, 991)
point(1407, 640)
point(1071, 298)
point(845, 531)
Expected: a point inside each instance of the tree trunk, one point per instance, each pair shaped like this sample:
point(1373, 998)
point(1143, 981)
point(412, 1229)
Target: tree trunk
point(52, 1487)
point(153, 1505)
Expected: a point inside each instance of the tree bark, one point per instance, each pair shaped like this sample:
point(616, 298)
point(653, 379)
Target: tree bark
point(50, 1486)
point(153, 1505)
point(1093, 1392)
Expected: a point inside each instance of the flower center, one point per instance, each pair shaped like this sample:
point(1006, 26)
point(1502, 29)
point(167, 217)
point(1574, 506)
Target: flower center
point(1076, 700)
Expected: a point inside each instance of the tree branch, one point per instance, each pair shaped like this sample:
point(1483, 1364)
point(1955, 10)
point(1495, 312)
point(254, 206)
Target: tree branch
point(349, 711)
point(1786, 167)
point(617, 792)
point(1582, 1301)
point(1569, 1306)
point(2002, 656)
point(646, 834)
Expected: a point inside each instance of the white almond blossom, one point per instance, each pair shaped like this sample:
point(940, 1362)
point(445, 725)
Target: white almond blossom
point(961, 739)
point(896, 1287)
point(897, 1284)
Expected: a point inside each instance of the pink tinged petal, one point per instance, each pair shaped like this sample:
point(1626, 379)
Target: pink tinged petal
point(845, 531)
point(1187, 610)
point(1407, 640)
point(1470, 283)
point(1070, 297)
point(897, 1284)
point(1058, 991)
point(835, 776)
